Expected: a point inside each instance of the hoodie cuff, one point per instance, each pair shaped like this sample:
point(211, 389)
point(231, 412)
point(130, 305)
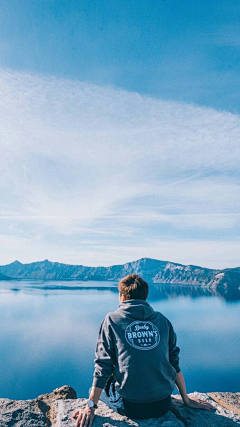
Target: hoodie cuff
point(99, 382)
point(177, 368)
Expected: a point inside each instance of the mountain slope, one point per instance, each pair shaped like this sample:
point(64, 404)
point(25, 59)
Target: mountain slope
point(3, 277)
point(152, 270)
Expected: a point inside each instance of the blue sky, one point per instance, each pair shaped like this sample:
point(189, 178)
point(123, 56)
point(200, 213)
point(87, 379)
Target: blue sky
point(120, 131)
point(187, 51)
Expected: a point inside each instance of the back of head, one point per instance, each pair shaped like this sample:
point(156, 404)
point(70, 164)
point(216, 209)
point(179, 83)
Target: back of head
point(133, 286)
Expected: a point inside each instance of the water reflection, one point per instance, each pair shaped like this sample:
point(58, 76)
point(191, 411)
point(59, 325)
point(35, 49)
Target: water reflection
point(157, 291)
point(166, 291)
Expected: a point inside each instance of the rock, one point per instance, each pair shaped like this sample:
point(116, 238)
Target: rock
point(107, 417)
point(230, 401)
point(22, 413)
point(201, 418)
point(38, 412)
point(48, 401)
point(64, 392)
point(56, 409)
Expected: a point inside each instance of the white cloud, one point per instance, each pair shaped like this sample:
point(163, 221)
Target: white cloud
point(83, 163)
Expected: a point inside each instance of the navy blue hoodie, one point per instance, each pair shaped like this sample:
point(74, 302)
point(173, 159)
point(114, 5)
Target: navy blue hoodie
point(138, 346)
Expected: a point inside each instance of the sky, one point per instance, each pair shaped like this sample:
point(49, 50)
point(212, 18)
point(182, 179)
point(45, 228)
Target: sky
point(120, 131)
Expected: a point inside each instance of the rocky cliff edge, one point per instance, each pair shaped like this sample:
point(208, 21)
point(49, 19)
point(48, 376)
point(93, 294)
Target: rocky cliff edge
point(56, 409)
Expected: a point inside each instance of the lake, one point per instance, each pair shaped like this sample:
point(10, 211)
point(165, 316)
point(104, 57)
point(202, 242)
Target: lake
point(49, 331)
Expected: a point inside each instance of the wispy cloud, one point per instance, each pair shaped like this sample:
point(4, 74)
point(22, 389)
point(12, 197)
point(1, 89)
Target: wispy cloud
point(83, 163)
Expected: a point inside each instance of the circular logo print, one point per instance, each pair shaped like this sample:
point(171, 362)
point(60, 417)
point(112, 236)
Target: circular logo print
point(143, 335)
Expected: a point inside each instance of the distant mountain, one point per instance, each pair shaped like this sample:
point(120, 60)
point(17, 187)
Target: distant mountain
point(3, 277)
point(151, 270)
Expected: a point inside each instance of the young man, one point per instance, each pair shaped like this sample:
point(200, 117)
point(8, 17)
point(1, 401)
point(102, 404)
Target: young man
point(137, 359)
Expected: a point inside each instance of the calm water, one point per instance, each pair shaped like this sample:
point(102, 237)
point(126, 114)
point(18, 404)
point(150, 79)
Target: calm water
point(49, 330)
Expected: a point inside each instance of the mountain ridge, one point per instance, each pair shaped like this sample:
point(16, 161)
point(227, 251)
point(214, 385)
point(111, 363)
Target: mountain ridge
point(152, 270)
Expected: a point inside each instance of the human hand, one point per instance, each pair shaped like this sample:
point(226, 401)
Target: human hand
point(84, 417)
point(195, 403)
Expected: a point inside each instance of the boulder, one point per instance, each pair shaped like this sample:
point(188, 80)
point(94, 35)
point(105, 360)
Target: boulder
point(56, 409)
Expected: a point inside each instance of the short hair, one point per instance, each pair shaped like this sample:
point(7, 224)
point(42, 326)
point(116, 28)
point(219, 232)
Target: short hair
point(133, 287)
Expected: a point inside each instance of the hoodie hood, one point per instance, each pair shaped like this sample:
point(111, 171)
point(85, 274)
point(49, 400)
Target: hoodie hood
point(136, 308)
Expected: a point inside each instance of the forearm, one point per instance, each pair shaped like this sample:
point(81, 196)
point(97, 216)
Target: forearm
point(180, 383)
point(95, 394)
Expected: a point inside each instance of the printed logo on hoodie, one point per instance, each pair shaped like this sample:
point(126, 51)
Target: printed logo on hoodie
point(142, 334)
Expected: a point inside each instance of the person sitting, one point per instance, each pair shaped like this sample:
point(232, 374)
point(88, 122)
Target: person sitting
point(136, 360)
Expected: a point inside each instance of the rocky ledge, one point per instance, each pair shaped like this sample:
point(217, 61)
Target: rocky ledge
point(56, 409)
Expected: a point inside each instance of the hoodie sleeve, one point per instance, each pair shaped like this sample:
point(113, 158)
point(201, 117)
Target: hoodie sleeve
point(174, 350)
point(104, 361)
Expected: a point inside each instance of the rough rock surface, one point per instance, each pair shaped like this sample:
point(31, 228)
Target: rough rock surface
point(38, 412)
point(56, 409)
point(229, 401)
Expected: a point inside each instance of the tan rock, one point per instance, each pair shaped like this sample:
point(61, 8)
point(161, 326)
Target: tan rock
point(227, 400)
